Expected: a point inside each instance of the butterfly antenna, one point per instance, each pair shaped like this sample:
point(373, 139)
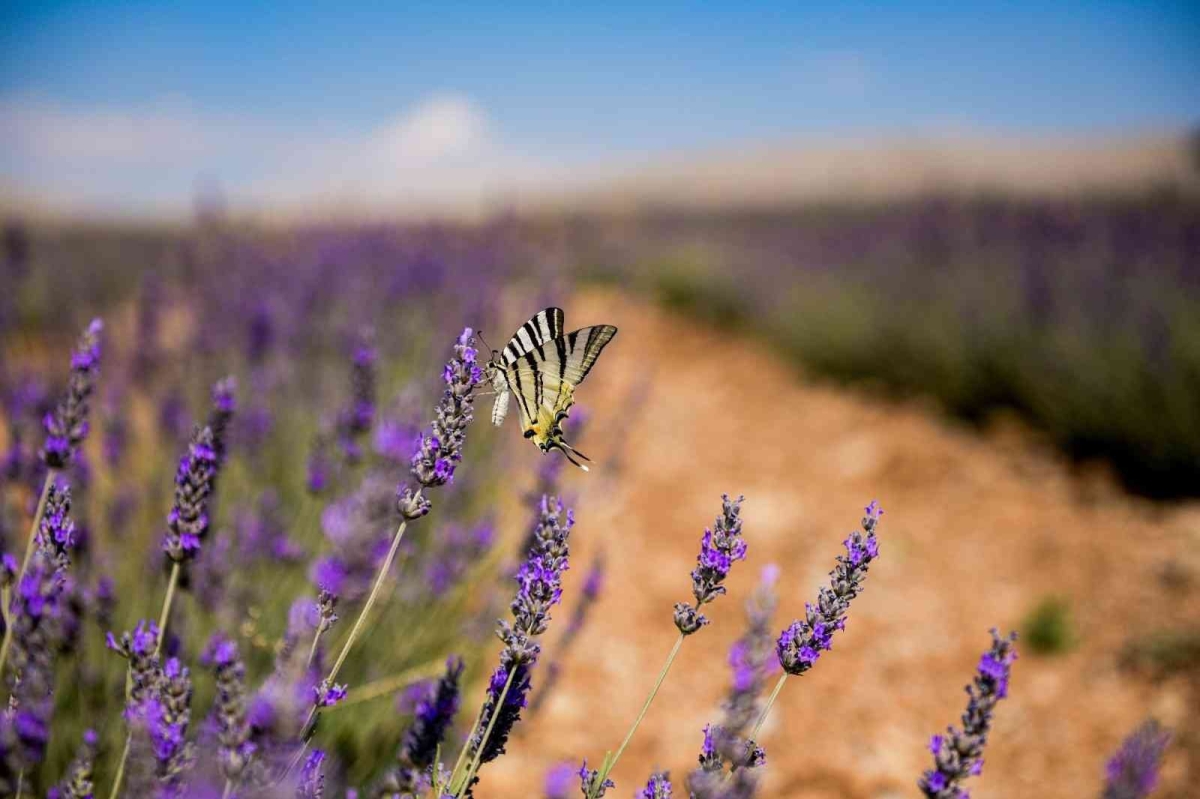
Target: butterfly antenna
point(484, 340)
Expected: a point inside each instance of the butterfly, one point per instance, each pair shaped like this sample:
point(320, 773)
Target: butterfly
point(541, 366)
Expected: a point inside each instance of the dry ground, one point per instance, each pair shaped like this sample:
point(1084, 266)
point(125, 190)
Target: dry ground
point(978, 528)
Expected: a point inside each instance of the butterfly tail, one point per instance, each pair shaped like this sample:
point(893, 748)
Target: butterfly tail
point(566, 449)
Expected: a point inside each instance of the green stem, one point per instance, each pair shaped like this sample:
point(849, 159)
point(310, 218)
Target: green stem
point(307, 729)
point(116, 787)
point(20, 783)
point(462, 753)
point(662, 675)
point(166, 608)
point(29, 547)
point(488, 732)
point(228, 789)
point(767, 707)
point(37, 517)
point(312, 650)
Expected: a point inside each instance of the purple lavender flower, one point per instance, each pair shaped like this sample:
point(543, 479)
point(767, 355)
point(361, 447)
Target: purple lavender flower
point(436, 705)
point(959, 754)
point(719, 548)
point(115, 440)
point(559, 780)
point(1132, 773)
point(659, 787)
point(187, 523)
point(751, 656)
point(328, 694)
point(138, 648)
point(539, 588)
point(801, 644)
point(35, 613)
point(312, 778)
point(434, 714)
point(355, 421)
point(56, 530)
point(720, 748)
point(78, 783)
point(316, 478)
point(590, 783)
point(67, 426)
point(236, 751)
point(439, 452)
point(224, 405)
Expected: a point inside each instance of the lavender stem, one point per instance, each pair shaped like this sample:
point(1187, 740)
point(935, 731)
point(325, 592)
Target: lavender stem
point(762, 717)
point(166, 608)
point(307, 730)
point(487, 733)
point(29, 547)
point(462, 753)
point(116, 788)
point(37, 517)
point(662, 676)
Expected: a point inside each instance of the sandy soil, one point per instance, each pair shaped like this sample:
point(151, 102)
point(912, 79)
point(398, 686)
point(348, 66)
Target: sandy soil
point(978, 528)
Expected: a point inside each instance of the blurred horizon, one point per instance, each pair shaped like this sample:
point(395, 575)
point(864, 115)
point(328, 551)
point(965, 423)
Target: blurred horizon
point(137, 111)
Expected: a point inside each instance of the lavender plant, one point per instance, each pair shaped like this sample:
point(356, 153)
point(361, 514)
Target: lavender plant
point(539, 589)
point(1132, 772)
point(959, 754)
point(720, 546)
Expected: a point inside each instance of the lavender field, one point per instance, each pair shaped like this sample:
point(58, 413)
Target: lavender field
point(259, 531)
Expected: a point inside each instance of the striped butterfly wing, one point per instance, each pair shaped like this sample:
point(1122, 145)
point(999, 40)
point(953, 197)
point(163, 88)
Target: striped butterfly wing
point(545, 326)
point(544, 379)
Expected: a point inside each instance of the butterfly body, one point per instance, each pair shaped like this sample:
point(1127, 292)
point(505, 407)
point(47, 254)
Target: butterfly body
point(540, 368)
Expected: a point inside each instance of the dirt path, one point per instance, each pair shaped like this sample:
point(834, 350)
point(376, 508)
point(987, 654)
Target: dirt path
point(977, 530)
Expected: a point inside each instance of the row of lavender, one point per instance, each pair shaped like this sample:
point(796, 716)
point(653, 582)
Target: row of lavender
point(258, 740)
point(1081, 313)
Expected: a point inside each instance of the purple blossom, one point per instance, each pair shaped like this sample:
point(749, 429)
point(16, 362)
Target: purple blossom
point(312, 778)
point(1132, 773)
point(591, 784)
point(67, 426)
point(224, 405)
point(559, 780)
point(355, 420)
point(800, 645)
point(187, 523)
point(719, 548)
point(751, 656)
point(236, 751)
point(539, 588)
point(959, 754)
point(329, 694)
point(78, 782)
point(439, 453)
point(659, 787)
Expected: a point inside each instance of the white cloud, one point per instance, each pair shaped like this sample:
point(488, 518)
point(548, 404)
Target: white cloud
point(442, 150)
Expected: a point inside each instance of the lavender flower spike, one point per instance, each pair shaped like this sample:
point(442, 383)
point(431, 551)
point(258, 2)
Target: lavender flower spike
point(67, 425)
point(802, 643)
point(224, 405)
point(539, 588)
point(959, 754)
point(659, 787)
point(236, 752)
point(78, 783)
point(356, 420)
point(1133, 770)
point(440, 452)
point(719, 548)
point(187, 523)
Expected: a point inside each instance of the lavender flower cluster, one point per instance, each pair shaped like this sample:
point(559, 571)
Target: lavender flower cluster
point(285, 704)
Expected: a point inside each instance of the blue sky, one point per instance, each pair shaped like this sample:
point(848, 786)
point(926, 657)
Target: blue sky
point(559, 84)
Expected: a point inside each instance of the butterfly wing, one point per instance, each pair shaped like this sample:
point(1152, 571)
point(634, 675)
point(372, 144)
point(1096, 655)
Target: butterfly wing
point(544, 379)
point(545, 326)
